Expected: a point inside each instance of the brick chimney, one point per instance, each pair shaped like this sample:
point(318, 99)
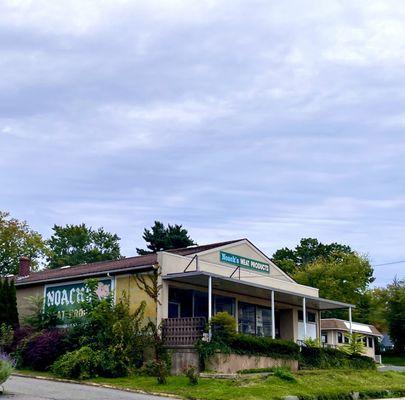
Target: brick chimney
point(25, 266)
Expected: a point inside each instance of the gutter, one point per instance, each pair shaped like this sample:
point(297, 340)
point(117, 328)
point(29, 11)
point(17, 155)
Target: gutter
point(21, 282)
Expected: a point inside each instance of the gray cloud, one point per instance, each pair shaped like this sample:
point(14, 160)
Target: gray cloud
point(271, 120)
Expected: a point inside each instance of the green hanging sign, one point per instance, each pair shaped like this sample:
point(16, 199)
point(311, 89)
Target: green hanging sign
point(243, 262)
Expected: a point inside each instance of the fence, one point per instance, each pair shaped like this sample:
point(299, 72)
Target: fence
point(182, 331)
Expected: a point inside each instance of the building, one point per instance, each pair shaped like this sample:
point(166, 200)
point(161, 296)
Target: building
point(191, 284)
point(334, 334)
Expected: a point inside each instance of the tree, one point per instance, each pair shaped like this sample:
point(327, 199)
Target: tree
point(79, 244)
point(161, 238)
point(396, 314)
point(342, 276)
point(8, 303)
point(17, 239)
point(308, 251)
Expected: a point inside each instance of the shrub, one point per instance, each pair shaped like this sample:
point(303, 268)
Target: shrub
point(79, 364)
point(284, 374)
point(6, 367)
point(6, 336)
point(325, 358)
point(264, 346)
point(39, 351)
point(191, 374)
point(223, 327)
point(161, 372)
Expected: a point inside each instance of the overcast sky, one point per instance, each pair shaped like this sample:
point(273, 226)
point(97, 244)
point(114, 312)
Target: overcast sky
point(271, 120)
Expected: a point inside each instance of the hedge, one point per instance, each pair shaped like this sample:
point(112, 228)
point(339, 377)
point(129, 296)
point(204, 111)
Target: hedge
point(264, 346)
point(324, 358)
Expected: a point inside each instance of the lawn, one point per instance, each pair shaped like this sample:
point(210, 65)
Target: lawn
point(393, 360)
point(309, 383)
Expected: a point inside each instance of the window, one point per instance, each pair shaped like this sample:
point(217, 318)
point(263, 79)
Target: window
point(311, 316)
point(324, 337)
point(222, 303)
point(370, 341)
point(300, 316)
point(174, 310)
point(365, 341)
point(340, 337)
point(263, 321)
point(247, 318)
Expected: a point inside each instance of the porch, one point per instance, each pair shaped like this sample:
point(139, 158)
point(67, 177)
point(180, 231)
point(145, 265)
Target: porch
point(193, 297)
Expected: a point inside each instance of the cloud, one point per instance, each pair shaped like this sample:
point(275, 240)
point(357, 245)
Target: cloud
point(271, 120)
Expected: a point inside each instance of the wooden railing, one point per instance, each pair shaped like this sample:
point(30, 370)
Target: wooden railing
point(182, 331)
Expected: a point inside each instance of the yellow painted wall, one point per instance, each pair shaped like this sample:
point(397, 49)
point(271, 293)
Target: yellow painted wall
point(23, 303)
point(135, 295)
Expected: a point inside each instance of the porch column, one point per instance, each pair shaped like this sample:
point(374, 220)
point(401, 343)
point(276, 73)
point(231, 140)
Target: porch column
point(350, 320)
point(209, 304)
point(273, 319)
point(304, 316)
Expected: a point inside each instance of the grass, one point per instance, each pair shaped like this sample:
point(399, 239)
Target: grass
point(394, 360)
point(308, 383)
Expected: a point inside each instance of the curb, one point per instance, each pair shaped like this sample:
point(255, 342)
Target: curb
point(101, 385)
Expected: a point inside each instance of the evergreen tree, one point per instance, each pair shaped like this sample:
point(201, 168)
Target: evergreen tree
point(161, 238)
point(8, 303)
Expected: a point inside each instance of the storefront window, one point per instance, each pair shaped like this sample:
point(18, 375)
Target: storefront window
point(200, 304)
point(224, 304)
point(247, 318)
point(263, 321)
point(180, 303)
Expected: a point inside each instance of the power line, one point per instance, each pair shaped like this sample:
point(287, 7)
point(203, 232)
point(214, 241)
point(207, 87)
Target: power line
point(389, 263)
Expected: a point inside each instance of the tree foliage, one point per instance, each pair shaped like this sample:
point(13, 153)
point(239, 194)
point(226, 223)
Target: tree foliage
point(308, 251)
point(17, 239)
point(8, 303)
point(396, 314)
point(160, 238)
point(80, 244)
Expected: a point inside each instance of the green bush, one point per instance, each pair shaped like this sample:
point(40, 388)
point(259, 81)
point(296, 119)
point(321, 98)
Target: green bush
point(284, 374)
point(192, 374)
point(325, 358)
point(264, 346)
point(6, 368)
point(86, 363)
point(223, 327)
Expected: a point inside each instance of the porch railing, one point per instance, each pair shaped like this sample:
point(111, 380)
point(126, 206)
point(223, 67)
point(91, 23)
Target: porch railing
point(182, 331)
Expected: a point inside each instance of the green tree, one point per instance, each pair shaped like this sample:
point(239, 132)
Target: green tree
point(343, 276)
point(308, 251)
point(161, 238)
point(396, 314)
point(79, 244)
point(17, 239)
point(8, 303)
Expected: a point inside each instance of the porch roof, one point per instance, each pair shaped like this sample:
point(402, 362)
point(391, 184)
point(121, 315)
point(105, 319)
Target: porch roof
point(236, 286)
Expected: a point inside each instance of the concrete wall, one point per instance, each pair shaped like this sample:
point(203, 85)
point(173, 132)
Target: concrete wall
point(182, 358)
point(23, 303)
point(231, 363)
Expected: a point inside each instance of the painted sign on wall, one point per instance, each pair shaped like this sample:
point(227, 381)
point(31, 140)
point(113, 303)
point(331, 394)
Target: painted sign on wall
point(66, 298)
point(244, 262)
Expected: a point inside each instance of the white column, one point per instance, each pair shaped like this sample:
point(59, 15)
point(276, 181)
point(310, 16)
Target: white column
point(209, 304)
point(273, 319)
point(304, 316)
point(350, 320)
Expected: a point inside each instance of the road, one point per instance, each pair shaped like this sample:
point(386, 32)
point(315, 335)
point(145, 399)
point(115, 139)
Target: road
point(19, 388)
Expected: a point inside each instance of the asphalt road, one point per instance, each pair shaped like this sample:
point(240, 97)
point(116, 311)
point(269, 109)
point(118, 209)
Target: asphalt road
point(18, 388)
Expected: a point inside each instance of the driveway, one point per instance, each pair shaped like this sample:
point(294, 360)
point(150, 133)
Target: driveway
point(19, 388)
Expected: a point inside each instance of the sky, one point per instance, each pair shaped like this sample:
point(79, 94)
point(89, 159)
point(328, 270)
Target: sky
point(261, 119)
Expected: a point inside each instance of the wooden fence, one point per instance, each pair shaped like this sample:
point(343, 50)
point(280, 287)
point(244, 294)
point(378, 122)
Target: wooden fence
point(182, 331)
